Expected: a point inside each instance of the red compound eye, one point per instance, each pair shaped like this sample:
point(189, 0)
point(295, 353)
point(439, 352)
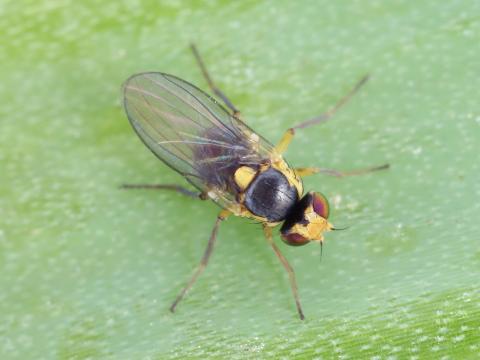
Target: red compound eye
point(320, 205)
point(294, 239)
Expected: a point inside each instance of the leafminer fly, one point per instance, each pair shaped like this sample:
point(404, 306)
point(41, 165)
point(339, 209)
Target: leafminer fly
point(228, 162)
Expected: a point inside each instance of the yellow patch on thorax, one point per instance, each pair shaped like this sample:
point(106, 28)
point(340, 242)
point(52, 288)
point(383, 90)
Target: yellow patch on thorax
point(243, 176)
point(278, 163)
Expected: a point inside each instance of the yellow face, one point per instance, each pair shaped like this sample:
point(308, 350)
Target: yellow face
point(308, 222)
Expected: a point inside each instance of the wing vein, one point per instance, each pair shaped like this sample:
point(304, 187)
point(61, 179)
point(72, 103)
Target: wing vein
point(192, 133)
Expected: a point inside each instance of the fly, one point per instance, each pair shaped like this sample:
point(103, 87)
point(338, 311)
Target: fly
point(229, 163)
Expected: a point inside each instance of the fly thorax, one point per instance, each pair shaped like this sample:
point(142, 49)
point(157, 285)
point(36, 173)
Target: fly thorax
point(270, 195)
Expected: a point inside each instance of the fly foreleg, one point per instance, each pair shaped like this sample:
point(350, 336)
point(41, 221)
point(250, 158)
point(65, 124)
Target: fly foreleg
point(291, 275)
point(302, 172)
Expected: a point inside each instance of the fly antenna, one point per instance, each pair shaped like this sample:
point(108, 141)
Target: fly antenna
point(321, 250)
point(344, 228)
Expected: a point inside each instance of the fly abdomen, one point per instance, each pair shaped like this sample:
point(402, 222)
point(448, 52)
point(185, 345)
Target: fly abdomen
point(270, 195)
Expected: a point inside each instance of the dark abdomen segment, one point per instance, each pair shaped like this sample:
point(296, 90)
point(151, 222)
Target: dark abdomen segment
point(270, 195)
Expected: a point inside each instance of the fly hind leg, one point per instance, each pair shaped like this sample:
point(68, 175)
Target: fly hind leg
point(177, 188)
point(211, 84)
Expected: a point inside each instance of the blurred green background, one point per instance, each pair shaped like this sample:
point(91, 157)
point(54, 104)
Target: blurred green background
point(88, 270)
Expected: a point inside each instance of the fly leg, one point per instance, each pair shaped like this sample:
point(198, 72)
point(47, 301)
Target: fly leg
point(211, 84)
point(286, 139)
point(203, 263)
point(293, 282)
point(332, 172)
point(289, 134)
point(177, 188)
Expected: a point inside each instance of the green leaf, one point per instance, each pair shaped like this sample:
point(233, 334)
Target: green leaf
point(88, 270)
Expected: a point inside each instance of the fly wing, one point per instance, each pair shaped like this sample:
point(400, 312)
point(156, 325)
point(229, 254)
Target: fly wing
point(191, 132)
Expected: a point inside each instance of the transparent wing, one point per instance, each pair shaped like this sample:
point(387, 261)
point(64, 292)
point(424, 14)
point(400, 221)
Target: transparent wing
point(191, 132)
